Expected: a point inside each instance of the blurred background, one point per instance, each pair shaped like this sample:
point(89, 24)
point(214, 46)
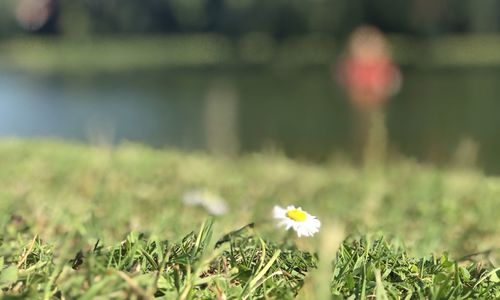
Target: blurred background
point(234, 77)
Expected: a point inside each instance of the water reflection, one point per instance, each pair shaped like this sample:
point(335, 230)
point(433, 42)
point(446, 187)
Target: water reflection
point(292, 110)
point(221, 118)
point(82, 108)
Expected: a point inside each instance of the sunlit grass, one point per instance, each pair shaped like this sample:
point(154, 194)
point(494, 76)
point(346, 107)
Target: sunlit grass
point(58, 200)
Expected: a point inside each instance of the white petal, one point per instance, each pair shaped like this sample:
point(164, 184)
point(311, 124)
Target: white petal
point(303, 232)
point(313, 227)
point(316, 223)
point(307, 234)
point(279, 212)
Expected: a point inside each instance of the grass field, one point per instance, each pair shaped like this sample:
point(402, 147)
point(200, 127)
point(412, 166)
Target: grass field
point(91, 222)
point(117, 54)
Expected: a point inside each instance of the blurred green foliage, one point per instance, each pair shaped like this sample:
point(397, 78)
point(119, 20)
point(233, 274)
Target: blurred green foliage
point(280, 18)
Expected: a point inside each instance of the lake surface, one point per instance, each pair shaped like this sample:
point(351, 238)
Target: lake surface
point(299, 111)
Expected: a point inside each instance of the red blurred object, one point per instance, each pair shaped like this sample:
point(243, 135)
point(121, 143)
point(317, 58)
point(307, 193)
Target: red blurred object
point(367, 71)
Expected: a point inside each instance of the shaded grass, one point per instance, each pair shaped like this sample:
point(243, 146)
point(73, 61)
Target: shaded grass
point(59, 199)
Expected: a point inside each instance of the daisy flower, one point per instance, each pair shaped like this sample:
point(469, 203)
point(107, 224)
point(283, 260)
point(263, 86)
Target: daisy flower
point(302, 222)
point(212, 203)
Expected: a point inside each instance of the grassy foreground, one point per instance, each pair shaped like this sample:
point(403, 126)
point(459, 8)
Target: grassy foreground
point(88, 222)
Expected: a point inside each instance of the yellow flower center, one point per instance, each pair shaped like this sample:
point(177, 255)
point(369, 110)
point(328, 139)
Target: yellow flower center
point(296, 215)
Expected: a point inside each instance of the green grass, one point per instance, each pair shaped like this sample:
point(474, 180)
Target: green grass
point(374, 266)
point(125, 53)
point(90, 222)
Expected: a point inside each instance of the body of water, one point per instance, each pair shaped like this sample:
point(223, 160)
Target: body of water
point(299, 111)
